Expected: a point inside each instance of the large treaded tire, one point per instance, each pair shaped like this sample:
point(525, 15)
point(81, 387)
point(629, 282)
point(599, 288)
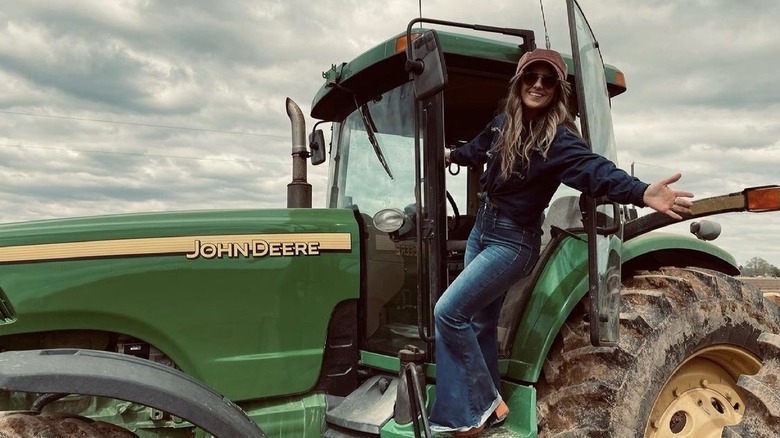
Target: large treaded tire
point(762, 394)
point(667, 317)
point(24, 424)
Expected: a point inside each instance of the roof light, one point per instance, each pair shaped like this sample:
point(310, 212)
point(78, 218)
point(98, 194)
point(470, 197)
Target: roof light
point(400, 42)
point(620, 79)
point(765, 198)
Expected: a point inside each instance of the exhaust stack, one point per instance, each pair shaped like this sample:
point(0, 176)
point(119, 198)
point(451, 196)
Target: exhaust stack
point(299, 190)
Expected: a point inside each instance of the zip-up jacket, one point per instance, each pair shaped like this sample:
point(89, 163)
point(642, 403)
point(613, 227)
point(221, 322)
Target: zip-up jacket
point(527, 192)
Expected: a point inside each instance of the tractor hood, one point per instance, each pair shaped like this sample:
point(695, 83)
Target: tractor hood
point(148, 234)
point(252, 274)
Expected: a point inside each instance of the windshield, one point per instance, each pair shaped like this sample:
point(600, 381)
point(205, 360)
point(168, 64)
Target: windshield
point(358, 177)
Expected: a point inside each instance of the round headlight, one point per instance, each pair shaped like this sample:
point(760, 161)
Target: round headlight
point(389, 220)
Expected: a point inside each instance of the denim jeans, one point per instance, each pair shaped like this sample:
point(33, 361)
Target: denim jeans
point(498, 253)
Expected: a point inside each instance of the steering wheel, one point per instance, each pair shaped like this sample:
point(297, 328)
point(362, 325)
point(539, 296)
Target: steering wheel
point(455, 212)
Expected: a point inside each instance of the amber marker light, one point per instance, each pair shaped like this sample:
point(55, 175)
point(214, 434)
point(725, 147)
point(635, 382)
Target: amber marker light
point(620, 79)
point(765, 198)
point(400, 42)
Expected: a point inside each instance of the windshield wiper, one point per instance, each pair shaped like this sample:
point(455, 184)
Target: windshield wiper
point(368, 124)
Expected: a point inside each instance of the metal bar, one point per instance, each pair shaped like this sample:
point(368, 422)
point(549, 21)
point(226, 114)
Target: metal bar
point(419, 399)
point(734, 202)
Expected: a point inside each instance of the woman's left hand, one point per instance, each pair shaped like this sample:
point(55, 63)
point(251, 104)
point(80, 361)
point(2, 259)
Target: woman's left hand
point(660, 197)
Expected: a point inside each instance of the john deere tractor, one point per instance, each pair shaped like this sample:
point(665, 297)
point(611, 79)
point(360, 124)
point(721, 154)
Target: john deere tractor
point(307, 322)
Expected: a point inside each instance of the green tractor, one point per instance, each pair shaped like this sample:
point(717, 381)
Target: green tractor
point(303, 322)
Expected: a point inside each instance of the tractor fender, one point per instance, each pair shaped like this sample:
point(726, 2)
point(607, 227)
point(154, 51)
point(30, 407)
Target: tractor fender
point(655, 250)
point(124, 377)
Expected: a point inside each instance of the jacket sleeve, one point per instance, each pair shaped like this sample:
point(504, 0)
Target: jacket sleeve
point(591, 173)
point(474, 153)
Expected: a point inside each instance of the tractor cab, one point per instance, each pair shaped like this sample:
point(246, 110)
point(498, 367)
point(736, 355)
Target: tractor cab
point(386, 164)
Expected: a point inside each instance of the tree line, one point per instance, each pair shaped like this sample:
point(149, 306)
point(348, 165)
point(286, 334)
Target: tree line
point(758, 267)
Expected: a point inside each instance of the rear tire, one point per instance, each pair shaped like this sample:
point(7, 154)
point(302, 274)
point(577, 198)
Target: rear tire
point(686, 337)
point(762, 394)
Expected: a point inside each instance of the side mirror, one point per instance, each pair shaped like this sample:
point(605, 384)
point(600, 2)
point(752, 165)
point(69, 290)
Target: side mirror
point(425, 62)
point(317, 147)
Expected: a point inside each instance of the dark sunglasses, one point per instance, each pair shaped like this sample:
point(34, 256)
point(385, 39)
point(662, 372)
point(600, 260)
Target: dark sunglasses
point(529, 78)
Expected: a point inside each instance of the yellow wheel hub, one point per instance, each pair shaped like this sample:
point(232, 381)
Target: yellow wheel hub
point(702, 397)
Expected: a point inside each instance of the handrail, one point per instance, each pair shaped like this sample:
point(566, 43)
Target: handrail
point(417, 400)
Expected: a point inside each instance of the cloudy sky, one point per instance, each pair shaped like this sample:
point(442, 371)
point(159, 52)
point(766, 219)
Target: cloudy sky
point(110, 106)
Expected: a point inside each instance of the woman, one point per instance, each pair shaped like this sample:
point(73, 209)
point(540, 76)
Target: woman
point(530, 149)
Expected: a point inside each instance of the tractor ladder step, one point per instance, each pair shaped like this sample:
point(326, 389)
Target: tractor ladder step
point(366, 410)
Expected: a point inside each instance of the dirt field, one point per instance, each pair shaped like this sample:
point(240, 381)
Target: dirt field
point(766, 284)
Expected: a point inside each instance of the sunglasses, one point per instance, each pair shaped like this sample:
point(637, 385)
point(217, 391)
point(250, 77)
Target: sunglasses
point(529, 78)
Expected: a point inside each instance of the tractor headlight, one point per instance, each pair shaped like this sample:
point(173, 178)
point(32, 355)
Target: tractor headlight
point(389, 220)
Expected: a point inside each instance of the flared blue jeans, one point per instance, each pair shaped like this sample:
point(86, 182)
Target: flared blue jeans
point(498, 254)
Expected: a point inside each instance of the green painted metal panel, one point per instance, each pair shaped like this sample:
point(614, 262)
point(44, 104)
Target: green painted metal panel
point(247, 326)
point(521, 422)
point(392, 364)
point(391, 429)
point(656, 241)
point(302, 417)
point(521, 400)
point(562, 285)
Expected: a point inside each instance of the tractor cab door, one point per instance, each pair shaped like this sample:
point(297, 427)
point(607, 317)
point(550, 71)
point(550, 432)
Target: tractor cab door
point(602, 218)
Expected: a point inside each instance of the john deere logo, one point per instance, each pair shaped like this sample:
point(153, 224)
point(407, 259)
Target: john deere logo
point(193, 247)
point(255, 248)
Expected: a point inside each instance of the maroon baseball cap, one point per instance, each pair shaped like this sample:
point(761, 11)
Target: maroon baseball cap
point(544, 55)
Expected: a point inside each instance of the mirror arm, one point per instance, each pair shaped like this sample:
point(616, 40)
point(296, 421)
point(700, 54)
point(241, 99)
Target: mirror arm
point(414, 67)
point(529, 40)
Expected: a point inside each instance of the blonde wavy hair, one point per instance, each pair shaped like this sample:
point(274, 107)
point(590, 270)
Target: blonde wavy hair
point(518, 141)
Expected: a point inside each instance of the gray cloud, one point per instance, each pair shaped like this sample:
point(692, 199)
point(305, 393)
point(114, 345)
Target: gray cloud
point(701, 97)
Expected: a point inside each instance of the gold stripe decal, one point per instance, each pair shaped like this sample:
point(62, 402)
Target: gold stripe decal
point(192, 247)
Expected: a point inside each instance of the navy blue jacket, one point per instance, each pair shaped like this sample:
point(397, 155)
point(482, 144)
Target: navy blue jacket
point(528, 191)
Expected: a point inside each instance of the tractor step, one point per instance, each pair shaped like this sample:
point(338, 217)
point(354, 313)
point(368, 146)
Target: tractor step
point(366, 410)
point(332, 431)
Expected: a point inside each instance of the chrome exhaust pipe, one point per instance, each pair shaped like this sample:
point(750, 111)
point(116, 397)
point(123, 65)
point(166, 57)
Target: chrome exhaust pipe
point(299, 190)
